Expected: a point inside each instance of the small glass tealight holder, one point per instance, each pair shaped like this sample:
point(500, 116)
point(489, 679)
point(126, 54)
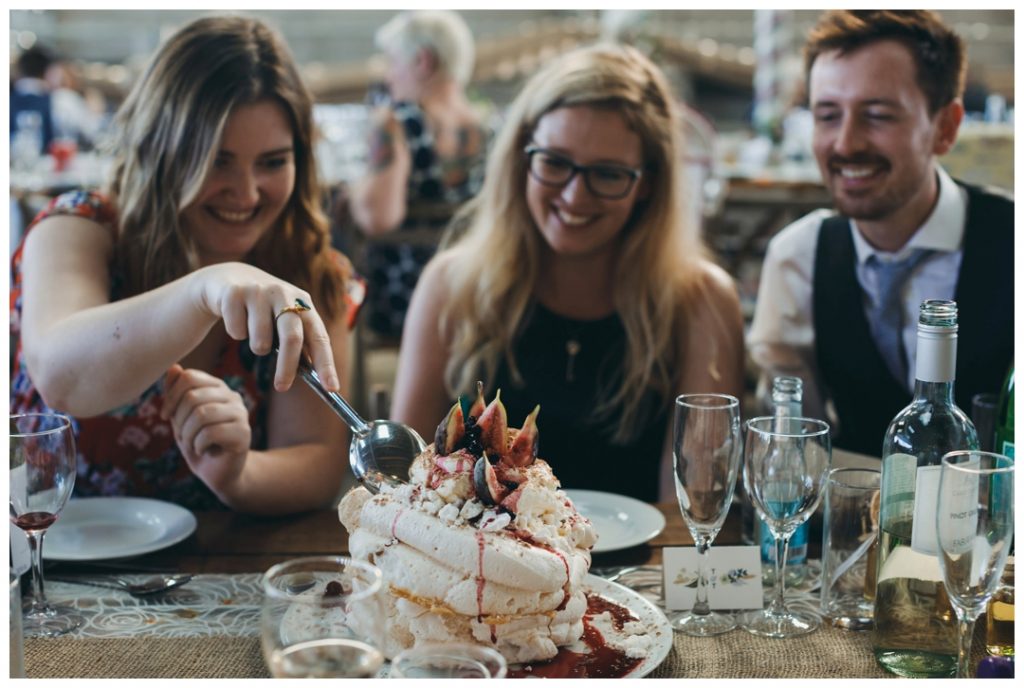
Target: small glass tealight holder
point(449, 660)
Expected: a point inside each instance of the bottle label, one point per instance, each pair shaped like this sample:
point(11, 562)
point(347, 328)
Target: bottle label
point(1007, 449)
point(923, 538)
point(959, 519)
point(898, 476)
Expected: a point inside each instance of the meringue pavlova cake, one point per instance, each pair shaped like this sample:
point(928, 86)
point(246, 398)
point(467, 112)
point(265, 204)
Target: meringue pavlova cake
point(481, 546)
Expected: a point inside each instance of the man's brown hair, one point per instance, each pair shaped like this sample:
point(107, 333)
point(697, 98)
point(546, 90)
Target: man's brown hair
point(938, 52)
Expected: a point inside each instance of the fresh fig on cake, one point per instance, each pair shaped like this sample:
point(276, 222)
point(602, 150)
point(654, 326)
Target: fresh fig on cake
point(493, 424)
point(523, 451)
point(477, 409)
point(485, 481)
point(450, 432)
point(511, 501)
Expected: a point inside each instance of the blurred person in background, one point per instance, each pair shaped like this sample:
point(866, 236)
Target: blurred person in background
point(578, 284)
point(841, 289)
point(146, 312)
point(427, 149)
point(31, 103)
point(74, 117)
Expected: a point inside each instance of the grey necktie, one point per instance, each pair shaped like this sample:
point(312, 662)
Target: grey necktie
point(887, 313)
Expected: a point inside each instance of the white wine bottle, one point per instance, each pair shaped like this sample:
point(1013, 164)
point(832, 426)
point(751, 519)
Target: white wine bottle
point(915, 626)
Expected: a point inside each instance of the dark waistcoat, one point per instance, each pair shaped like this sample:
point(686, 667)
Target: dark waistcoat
point(865, 394)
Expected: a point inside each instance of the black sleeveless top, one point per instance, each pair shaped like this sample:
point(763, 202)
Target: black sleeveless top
point(865, 394)
point(576, 443)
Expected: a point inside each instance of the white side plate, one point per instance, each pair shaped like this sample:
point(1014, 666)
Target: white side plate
point(93, 528)
point(658, 627)
point(620, 521)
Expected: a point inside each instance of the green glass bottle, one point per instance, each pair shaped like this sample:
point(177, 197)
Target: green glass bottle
point(1004, 422)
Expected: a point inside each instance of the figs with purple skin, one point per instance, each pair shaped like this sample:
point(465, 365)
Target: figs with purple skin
point(477, 409)
point(493, 424)
point(523, 451)
point(450, 432)
point(485, 482)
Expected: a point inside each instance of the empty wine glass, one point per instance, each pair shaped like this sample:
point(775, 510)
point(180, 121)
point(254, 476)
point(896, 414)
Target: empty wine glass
point(42, 454)
point(786, 464)
point(321, 618)
point(706, 446)
point(974, 525)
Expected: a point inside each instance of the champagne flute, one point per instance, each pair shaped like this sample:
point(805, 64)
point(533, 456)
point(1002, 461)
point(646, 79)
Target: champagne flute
point(786, 464)
point(706, 446)
point(321, 618)
point(974, 526)
point(42, 455)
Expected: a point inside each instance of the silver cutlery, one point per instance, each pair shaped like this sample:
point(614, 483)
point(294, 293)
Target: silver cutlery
point(149, 586)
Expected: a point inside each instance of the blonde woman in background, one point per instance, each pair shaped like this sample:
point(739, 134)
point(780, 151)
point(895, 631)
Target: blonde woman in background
point(577, 284)
point(131, 305)
point(426, 150)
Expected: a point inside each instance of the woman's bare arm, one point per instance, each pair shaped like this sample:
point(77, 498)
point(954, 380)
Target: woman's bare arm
point(378, 203)
point(87, 355)
point(713, 354)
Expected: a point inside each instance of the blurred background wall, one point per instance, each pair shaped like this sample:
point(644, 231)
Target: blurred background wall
point(710, 51)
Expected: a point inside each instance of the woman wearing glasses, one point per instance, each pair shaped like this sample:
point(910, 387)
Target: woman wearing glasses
point(577, 284)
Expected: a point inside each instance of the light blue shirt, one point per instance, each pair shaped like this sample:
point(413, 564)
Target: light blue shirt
point(781, 337)
point(935, 277)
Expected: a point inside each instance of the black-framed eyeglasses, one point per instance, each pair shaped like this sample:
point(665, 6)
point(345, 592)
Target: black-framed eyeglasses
point(604, 180)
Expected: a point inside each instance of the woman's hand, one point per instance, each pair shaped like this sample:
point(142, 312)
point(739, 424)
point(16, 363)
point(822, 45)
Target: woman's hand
point(210, 423)
point(252, 303)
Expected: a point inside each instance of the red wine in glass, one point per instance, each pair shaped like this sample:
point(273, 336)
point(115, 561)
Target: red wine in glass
point(42, 475)
point(35, 520)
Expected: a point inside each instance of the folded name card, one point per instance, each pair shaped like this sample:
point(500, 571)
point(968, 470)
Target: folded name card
point(733, 577)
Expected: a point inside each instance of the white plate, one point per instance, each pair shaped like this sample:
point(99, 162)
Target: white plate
point(110, 527)
point(650, 616)
point(620, 521)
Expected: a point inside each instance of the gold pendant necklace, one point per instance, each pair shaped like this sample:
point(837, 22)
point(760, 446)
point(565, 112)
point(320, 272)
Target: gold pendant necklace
point(572, 347)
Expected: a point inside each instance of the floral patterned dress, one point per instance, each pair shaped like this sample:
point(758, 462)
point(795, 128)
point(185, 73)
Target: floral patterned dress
point(131, 450)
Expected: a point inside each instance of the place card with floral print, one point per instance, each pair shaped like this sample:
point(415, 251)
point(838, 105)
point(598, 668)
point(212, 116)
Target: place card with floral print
point(733, 577)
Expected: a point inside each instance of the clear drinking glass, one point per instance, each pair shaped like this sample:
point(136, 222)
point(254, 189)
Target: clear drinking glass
point(706, 450)
point(974, 526)
point(786, 464)
point(449, 660)
point(42, 455)
point(321, 618)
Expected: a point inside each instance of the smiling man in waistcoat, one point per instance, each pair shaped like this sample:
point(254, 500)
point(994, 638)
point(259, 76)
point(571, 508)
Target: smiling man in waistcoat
point(840, 289)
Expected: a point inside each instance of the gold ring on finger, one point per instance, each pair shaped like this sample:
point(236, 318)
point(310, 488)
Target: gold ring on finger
point(299, 306)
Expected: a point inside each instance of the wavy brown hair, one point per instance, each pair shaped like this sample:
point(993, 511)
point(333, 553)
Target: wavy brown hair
point(657, 274)
point(170, 127)
point(939, 53)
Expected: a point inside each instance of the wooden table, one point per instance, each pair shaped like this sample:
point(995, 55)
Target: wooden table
point(219, 637)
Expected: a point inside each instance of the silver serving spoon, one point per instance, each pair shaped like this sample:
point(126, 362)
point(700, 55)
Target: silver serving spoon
point(150, 586)
point(381, 451)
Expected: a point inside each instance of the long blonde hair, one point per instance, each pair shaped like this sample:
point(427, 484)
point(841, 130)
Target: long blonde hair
point(170, 126)
point(657, 271)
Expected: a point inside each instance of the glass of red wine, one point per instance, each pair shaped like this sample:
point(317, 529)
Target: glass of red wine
point(42, 455)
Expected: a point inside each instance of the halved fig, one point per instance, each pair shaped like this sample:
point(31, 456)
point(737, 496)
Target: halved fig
point(450, 432)
point(523, 451)
point(478, 406)
point(485, 482)
point(511, 501)
point(493, 424)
